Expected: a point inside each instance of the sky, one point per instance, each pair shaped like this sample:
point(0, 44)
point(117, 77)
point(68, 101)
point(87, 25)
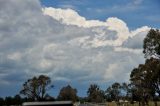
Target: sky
point(145, 12)
point(76, 42)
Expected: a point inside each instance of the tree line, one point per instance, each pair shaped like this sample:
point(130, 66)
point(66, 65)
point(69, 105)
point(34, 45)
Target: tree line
point(144, 84)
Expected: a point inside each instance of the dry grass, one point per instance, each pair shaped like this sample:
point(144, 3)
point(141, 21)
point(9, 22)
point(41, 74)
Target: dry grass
point(128, 104)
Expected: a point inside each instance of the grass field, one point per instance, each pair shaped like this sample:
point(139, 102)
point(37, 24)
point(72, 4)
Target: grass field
point(128, 104)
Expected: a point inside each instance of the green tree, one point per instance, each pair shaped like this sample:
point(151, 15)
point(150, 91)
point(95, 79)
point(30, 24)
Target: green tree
point(1, 101)
point(68, 93)
point(113, 92)
point(95, 94)
point(17, 100)
point(126, 91)
point(36, 87)
point(142, 81)
point(152, 77)
point(145, 79)
point(8, 101)
point(151, 44)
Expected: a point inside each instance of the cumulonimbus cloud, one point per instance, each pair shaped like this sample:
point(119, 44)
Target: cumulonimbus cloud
point(64, 45)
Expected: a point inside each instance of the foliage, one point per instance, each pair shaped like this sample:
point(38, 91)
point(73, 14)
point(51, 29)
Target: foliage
point(8, 101)
point(153, 75)
point(1, 101)
point(113, 92)
point(36, 87)
point(68, 93)
point(117, 91)
point(95, 94)
point(151, 44)
point(146, 78)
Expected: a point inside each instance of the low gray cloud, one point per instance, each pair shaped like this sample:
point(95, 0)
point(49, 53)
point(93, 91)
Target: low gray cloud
point(135, 42)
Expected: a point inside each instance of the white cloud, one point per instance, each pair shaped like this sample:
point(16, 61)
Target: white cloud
point(123, 49)
point(15, 56)
point(135, 41)
point(71, 17)
point(140, 30)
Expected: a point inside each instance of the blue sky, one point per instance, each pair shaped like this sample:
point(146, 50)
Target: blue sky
point(135, 13)
point(77, 42)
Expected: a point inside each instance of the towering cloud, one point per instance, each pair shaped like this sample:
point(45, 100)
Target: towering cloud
point(64, 45)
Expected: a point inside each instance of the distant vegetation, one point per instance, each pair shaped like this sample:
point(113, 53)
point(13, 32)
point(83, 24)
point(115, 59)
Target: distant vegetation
point(36, 88)
point(144, 83)
point(68, 93)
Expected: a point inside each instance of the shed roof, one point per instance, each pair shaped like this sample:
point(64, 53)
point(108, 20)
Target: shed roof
point(47, 103)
